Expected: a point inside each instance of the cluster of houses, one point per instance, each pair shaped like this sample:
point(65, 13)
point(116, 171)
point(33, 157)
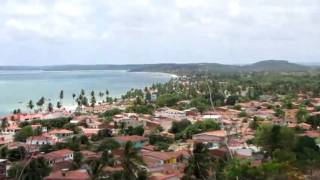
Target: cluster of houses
point(230, 140)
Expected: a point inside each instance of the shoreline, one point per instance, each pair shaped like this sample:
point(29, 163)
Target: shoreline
point(68, 102)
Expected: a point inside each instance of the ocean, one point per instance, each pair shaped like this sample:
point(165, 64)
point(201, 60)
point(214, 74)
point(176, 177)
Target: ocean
point(19, 87)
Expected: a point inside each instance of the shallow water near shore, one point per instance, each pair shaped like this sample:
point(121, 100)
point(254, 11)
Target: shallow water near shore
point(18, 87)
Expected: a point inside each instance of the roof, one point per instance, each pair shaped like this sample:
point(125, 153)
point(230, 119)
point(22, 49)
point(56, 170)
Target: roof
point(133, 138)
point(57, 154)
point(80, 174)
point(218, 133)
point(60, 131)
point(38, 138)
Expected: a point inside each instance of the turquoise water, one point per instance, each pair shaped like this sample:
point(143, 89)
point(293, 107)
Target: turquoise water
point(18, 87)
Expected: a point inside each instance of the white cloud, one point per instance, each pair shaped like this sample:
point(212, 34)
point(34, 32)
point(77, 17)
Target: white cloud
point(161, 24)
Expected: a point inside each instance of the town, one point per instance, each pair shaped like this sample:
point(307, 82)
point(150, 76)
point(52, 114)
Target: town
point(193, 127)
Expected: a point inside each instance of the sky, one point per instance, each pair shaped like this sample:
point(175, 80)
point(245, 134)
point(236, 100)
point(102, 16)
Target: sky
point(50, 32)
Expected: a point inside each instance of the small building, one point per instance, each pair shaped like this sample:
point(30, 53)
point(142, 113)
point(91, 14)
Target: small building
point(60, 135)
point(213, 138)
point(128, 119)
point(59, 156)
point(171, 113)
point(37, 141)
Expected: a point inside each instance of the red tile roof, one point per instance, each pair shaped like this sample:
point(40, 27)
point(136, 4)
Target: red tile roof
point(58, 154)
point(69, 175)
point(133, 138)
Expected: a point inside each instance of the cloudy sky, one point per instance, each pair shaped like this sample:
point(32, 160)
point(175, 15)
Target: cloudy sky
point(41, 32)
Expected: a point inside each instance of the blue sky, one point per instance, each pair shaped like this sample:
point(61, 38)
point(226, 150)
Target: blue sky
point(42, 32)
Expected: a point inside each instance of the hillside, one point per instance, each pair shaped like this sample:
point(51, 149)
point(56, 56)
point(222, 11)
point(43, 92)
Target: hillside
point(269, 65)
point(275, 65)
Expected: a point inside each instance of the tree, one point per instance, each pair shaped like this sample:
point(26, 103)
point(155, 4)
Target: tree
point(30, 105)
point(59, 105)
point(199, 164)
point(41, 102)
point(61, 95)
point(272, 137)
point(23, 134)
point(17, 154)
point(200, 103)
point(73, 96)
point(232, 100)
point(77, 160)
point(108, 144)
point(131, 162)
point(178, 126)
point(139, 130)
point(167, 100)
point(36, 169)
point(96, 168)
point(302, 115)
point(279, 113)
point(50, 107)
point(93, 101)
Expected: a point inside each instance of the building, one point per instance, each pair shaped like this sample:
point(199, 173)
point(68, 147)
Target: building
point(126, 120)
point(59, 156)
point(59, 135)
point(39, 140)
point(164, 161)
point(213, 139)
point(171, 113)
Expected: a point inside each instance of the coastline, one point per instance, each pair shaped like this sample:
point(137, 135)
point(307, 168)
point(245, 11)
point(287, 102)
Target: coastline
point(11, 100)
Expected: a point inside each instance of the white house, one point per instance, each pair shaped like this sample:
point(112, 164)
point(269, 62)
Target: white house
point(171, 113)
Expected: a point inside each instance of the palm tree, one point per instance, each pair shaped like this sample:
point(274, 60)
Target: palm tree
point(30, 105)
point(131, 162)
point(40, 103)
point(101, 94)
point(96, 168)
point(200, 164)
point(35, 169)
point(61, 95)
point(50, 107)
point(73, 96)
point(59, 105)
point(82, 92)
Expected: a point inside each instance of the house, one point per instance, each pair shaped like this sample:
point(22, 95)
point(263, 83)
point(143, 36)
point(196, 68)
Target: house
point(37, 141)
point(93, 122)
point(170, 113)
point(89, 132)
point(212, 138)
point(12, 129)
point(138, 141)
point(128, 119)
point(151, 95)
point(60, 135)
point(163, 161)
point(59, 156)
point(80, 174)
